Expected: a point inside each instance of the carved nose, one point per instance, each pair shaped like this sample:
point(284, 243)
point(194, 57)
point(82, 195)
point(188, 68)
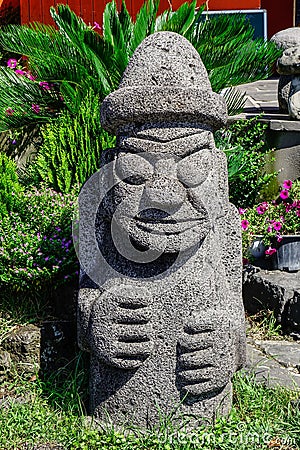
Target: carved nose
point(165, 193)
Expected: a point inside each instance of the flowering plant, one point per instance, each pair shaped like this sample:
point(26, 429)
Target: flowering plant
point(272, 220)
point(36, 247)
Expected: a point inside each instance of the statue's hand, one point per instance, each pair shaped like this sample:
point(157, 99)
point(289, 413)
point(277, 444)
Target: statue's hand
point(121, 331)
point(205, 357)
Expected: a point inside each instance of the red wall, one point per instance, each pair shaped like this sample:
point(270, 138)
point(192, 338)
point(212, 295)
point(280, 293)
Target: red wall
point(90, 10)
point(280, 15)
point(233, 4)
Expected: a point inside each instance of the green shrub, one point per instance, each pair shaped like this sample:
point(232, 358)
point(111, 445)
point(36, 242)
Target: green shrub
point(244, 143)
point(36, 249)
point(71, 148)
point(72, 58)
point(10, 188)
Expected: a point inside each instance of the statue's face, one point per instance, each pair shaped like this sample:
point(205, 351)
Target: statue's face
point(164, 188)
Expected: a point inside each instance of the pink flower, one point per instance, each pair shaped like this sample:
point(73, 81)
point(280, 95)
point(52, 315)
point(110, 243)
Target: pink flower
point(270, 251)
point(9, 112)
point(298, 212)
point(242, 211)
point(261, 209)
point(277, 226)
point(279, 238)
point(96, 26)
point(269, 229)
point(12, 63)
point(244, 224)
point(287, 184)
point(20, 72)
point(30, 76)
point(44, 85)
point(35, 108)
point(284, 194)
point(288, 207)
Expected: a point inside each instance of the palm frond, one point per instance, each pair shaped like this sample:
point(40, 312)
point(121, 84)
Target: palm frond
point(144, 24)
point(182, 19)
point(235, 100)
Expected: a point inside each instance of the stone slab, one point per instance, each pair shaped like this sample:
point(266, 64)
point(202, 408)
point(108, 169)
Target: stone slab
point(269, 371)
point(286, 353)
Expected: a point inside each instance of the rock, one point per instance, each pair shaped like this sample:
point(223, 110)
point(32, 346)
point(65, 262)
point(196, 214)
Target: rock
point(22, 347)
point(287, 38)
point(159, 305)
point(277, 291)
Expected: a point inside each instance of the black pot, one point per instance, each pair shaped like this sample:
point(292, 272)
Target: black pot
point(287, 256)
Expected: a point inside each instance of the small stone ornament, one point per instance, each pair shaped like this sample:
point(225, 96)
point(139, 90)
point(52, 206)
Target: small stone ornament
point(288, 66)
point(160, 303)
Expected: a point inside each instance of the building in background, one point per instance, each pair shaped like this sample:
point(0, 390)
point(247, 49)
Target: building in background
point(279, 14)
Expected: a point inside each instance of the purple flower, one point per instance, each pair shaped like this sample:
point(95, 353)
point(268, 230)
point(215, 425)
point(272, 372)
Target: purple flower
point(12, 63)
point(261, 209)
point(36, 108)
point(269, 229)
point(244, 224)
point(14, 142)
point(277, 226)
point(242, 211)
point(287, 184)
point(284, 194)
point(279, 238)
point(270, 251)
point(47, 258)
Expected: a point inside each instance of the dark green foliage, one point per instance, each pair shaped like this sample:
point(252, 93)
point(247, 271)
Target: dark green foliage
point(74, 58)
point(244, 144)
point(10, 187)
point(71, 148)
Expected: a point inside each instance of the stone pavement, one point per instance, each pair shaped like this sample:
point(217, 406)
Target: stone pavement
point(274, 362)
point(261, 98)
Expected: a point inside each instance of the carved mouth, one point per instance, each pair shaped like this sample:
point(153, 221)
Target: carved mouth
point(166, 226)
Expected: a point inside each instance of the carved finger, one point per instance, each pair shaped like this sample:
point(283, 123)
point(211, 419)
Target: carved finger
point(196, 359)
point(191, 343)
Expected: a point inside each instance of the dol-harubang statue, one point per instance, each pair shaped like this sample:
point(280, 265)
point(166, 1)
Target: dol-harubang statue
point(160, 304)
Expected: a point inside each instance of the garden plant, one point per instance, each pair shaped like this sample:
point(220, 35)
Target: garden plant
point(271, 220)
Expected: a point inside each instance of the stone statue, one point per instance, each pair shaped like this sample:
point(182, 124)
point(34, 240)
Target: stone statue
point(288, 68)
point(160, 304)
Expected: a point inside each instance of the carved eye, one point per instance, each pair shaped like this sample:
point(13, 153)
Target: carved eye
point(194, 169)
point(133, 169)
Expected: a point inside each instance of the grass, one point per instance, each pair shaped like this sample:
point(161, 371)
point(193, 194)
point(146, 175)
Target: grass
point(263, 326)
point(52, 411)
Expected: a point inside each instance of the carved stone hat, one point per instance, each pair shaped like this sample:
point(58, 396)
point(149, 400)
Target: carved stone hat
point(165, 81)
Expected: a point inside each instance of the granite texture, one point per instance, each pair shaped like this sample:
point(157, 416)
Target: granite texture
point(160, 301)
